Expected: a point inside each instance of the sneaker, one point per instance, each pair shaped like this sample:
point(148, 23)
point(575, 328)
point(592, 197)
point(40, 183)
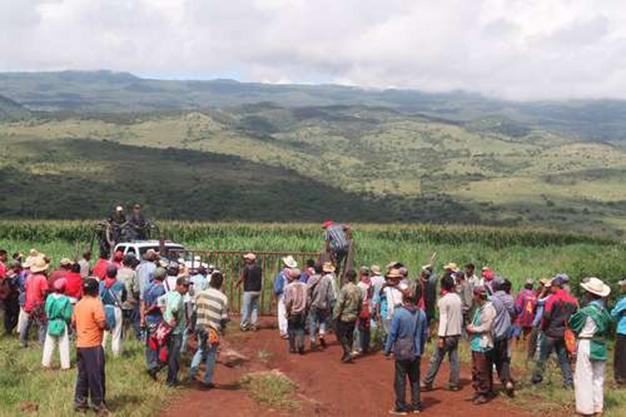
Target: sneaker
point(208, 386)
point(347, 359)
point(426, 387)
point(81, 408)
point(398, 412)
point(322, 343)
point(453, 388)
point(480, 400)
point(510, 389)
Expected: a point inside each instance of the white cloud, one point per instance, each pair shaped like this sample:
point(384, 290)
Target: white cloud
point(511, 48)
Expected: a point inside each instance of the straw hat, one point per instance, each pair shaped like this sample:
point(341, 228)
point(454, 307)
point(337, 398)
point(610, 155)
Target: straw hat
point(452, 267)
point(290, 262)
point(250, 256)
point(375, 269)
point(39, 265)
point(66, 262)
point(394, 273)
point(328, 267)
point(596, 286)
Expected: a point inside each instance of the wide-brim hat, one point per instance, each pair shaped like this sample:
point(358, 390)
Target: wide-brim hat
point(328, 267)
point(249, 256)
point(394, 273)
point(375, 269)
point(596, 286)
point(39, 265)
point(290, 262)
point(621, 282)
point(452, 267)
point(66, 262)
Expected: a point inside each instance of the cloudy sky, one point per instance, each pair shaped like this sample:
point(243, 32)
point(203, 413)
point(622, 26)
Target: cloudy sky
point(523, 49)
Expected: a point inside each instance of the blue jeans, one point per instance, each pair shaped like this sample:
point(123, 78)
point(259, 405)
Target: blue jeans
point(549, 344)
point(173, 346)
point(250, 308)
point(317, 320)
point(206, 353)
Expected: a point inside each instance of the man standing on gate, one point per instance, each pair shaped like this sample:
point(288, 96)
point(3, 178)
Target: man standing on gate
point(252, 279)
point(337, 242)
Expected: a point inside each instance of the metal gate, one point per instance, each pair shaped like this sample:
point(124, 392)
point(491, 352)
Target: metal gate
point(231, 264)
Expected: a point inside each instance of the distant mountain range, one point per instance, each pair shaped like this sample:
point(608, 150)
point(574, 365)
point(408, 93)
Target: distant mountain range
point(120, 92)
point(74, 143)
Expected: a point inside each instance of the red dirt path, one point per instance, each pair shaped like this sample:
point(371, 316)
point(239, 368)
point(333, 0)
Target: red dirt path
point(325, 386)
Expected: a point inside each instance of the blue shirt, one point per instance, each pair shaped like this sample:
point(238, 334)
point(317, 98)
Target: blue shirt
point(115, 295)
point(540, 306)
point(145, 274)
point(619, 314)
point(405, 324)
point(280, 282)
point(337, 237)
point(151, 297)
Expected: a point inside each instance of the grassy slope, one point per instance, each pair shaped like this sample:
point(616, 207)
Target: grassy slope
point(537, 178)
point(130, 392)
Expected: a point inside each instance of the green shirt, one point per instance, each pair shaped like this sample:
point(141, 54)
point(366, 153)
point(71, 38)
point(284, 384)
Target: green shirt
point(59, 313)
point(175, 311)
point(600, 316)
point(349, 303)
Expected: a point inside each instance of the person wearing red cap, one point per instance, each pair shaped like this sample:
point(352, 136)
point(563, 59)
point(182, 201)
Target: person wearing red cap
point(488, 275)
point(59, 313)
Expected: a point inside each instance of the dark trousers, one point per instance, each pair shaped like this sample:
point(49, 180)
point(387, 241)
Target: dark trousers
point(532, 343)
point(11, 312)
point(90, 382)
point(295, 330)
point(132, 321)
point(502, 360)
point(407, 369)
point(365, 334)
point(619, 364)
point(345, 333)
point(548, 345)
point(174, 344)
point(482, 373)
point(450, 347)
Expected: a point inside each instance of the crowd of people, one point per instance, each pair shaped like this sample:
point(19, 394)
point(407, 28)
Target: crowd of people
point(164, 302)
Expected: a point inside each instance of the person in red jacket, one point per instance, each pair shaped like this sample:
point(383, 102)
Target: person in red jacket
point(100, 268)
point(557, 312)
point(74, 283)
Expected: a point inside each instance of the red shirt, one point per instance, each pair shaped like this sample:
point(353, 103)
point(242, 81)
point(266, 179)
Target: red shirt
point(100, 269)
point(36, 289)
point(55, 275)
point(3, 271)
point(74, 286)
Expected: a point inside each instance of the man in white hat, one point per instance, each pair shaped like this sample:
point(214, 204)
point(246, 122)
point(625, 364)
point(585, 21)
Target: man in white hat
point(591, 324)
point(619, 315)
point(252, 280)
point(36, 291)
point(280, 282)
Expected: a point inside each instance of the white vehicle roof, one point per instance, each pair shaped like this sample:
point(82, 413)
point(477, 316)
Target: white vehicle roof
point(150, 244)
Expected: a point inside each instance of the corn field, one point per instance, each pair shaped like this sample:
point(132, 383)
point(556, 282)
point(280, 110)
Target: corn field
point(514, 253)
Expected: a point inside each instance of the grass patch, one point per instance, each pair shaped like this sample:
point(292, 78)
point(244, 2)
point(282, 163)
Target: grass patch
point(271, 388)
point(27, 389)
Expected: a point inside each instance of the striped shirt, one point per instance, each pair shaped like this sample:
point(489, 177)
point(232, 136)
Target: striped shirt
point(211, 309)
point(336, 235)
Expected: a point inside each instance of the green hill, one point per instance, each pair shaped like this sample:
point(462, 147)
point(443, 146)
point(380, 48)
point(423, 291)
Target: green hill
point(236, 151)
point(11, 110)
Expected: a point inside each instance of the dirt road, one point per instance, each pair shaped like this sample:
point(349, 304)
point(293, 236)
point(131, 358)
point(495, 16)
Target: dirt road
point(325, 386)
